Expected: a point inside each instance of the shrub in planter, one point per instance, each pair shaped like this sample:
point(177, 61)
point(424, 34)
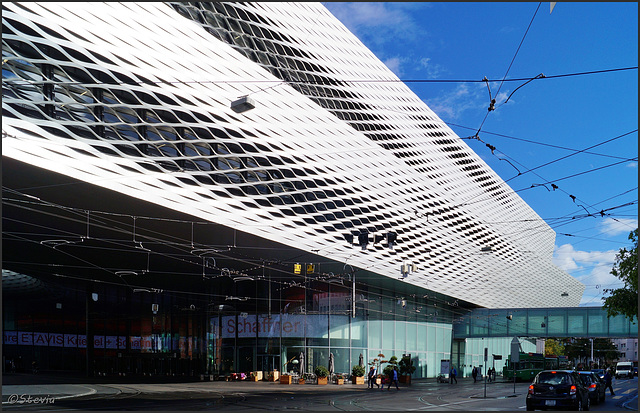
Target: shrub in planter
point(321, 371)
point(406, 369)
point(357, 371)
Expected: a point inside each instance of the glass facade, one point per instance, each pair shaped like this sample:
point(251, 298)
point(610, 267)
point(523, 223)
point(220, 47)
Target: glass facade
point(544, 322)
point(155, 332)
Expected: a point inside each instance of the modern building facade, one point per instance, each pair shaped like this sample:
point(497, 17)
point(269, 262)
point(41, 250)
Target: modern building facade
point(217, 187)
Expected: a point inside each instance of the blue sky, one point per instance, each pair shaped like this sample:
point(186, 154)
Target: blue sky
point(589, 120)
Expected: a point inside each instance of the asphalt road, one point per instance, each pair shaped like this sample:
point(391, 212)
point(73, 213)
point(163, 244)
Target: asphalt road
point(422, 395)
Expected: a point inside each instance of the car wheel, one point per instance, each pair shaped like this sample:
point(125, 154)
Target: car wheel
point(530, 408)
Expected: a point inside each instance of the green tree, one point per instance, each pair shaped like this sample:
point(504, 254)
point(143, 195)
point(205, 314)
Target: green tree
point(624, 300)
point(553, 347)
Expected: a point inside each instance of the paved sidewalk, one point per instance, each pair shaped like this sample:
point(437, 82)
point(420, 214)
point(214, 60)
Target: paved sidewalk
point(61, 386)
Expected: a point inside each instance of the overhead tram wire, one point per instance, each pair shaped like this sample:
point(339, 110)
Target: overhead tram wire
point(537, 143)
point(575, 153)
point(312, 82)
point(492, 107)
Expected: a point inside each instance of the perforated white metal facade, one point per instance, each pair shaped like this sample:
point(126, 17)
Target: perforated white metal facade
point(135, 97)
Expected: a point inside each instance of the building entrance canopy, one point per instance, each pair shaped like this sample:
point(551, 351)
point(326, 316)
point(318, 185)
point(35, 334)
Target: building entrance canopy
point(543, 322)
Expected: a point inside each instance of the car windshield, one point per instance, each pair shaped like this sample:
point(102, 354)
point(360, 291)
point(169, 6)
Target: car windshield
point(552, 378)
point(624, 367)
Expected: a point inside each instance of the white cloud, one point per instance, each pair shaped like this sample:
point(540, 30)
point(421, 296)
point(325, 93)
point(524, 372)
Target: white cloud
point(618, 226)
point(591, 268)
point(432, 70)
point(386, 22)
point(453, 104)
point(632, 165)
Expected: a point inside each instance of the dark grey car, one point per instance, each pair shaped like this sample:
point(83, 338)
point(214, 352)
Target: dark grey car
point(595, 385)
point(558, 390)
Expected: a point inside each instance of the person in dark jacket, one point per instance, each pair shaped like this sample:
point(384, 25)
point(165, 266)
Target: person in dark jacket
point(372, 376)
point(474, 374)
point(393, 378)
point(452, 376)
point(607, 382)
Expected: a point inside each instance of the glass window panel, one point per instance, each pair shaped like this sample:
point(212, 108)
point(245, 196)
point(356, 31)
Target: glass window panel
point(341, 360)
point(518, 325)
point(388, 334)
point(358, 332)
point(375, 334)
point(618, 325)
point(556, 324)
point(401, 334)
point(431, 337)
point(537, 322)
point(339, 330)
point(421, 330)
point(597, 322)
point(577, 323)
point(412, 337)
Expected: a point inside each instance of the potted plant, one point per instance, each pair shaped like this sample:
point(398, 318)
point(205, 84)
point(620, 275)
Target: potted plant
point(357, 374)
point(406, 369)
point(321, 373)
point(339, 379)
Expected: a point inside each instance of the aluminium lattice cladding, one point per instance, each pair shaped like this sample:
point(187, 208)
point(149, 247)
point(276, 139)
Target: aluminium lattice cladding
point(136, 97)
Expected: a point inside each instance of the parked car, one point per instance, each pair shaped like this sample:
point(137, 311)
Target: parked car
point(599, 372)
point(556, 390)
point(624, 369)
point(595, 385)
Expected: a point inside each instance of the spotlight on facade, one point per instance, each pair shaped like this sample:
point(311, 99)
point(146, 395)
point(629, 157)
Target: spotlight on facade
point(509, 317)
point(486, 249)
point(154, 308)
point(349, 238)
point(377, 238)
point(243, 104)
point(564, 294)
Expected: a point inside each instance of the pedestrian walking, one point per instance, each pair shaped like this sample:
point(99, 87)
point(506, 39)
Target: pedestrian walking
point(474, 374)
point(453, 375)
point(373, 373)
point(607, 382)
point(393, 378)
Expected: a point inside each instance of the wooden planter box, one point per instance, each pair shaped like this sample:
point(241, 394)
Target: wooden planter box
point(274, 376)
point(339, 381)
point(323, 380)
point(300, 381)
point(358, 380)
point(285, 379)
point(257, 376)
point(405, 379)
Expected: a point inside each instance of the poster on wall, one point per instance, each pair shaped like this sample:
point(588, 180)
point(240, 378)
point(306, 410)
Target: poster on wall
point(445, 366)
